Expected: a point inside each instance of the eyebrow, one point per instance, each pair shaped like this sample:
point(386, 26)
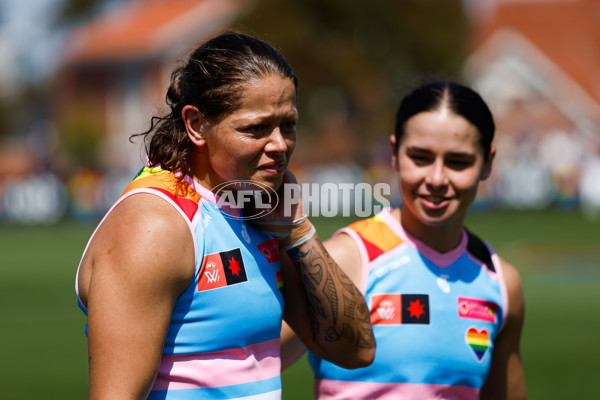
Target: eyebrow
point(257, 116)
point(453, 154)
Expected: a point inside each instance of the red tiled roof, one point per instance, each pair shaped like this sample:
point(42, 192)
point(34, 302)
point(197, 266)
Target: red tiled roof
point(142, 28)
point(567, 32)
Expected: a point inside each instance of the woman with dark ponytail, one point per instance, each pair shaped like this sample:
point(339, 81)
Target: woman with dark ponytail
point(447, 311)
point(185, 291)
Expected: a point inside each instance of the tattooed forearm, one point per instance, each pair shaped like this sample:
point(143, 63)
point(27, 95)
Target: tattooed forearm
point(349, 307)
point(332, 294)
point(332, 335)
point(315, 326)
point(348, 333)
point(312, 258)
point(363, 313)
point(308, 281)
point(316, 305)
point(348, 285)
point(366, 340)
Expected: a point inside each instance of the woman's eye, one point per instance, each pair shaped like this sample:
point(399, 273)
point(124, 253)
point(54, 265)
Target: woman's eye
point(288, 126)
point(418, 158)
point(459, 163)
point(255, 128)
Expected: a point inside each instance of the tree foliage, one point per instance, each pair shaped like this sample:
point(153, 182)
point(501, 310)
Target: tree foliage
point(73, 10)
point(357, 58)
point(354, 59)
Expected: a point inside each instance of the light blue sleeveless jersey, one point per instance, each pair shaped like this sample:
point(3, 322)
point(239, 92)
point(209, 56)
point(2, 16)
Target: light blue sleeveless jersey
point(224, 336)
point(435, 317)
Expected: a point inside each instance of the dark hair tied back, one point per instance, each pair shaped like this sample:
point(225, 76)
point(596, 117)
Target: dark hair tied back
point(211, 80)
point(458, 98)
point(174, 90)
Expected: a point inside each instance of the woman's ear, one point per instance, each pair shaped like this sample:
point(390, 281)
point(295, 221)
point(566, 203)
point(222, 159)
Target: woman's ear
point(487, 166)
point(194, 124)
point(394, 148)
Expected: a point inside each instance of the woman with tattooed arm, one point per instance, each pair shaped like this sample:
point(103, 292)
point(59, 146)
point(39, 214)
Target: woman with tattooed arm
point(185, 299)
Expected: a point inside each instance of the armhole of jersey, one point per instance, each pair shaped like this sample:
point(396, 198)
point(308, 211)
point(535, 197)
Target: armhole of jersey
point(364, 257)
point(503, 288)
point(480, 250)
point(190, 224)
point(483, 252)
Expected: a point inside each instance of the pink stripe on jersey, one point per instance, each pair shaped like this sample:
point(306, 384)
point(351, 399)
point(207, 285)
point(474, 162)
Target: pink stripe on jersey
point(330, 390)
point(440, 259)
point(503, 289)
point(222, 368)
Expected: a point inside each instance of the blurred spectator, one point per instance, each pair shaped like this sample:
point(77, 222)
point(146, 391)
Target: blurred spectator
point(589, 185)
point(40, 199)
point(86, 189)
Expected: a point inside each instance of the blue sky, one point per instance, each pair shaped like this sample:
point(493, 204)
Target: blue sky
point(25, 28)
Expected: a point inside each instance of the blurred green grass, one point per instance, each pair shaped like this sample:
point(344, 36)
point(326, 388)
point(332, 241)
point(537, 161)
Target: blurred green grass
point(557, 252)
point(43, 346)
point(558, 255)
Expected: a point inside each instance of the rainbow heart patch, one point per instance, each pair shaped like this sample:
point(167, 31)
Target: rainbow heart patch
point(478, 341)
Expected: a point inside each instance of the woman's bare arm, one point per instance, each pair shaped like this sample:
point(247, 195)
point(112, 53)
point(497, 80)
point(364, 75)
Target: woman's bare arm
point(333, 319)
point(506, 379)
point(344, 251)
point(137, 264)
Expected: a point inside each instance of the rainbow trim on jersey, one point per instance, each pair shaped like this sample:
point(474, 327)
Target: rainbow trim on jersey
point(376, 236)
point(223, 338)
point(166, 182)
point(439, 311)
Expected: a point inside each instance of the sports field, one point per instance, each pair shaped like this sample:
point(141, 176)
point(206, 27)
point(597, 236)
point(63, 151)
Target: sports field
point(43, 349)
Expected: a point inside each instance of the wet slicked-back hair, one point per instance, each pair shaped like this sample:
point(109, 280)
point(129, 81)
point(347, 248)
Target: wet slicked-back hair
point(458, 98)
point(212, 79)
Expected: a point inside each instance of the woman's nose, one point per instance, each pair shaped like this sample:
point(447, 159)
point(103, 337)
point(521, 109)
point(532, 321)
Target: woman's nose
point(276, 143)
point(437, 176)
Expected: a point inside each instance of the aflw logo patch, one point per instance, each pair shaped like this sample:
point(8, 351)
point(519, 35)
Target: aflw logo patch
point(396, 309)
point(222, 269)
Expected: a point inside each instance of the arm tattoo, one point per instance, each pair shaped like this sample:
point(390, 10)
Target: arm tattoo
point(315, 305)
point(331, 335)
point(348, 333)
point(325, 285)
point(349, 307)
point(331, 294)
point(363, 313)
point(366, 340)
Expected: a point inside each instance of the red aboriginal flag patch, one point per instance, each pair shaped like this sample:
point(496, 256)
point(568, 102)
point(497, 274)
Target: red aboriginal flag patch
point(222, 269)
point(269, 250)
point(396, 309)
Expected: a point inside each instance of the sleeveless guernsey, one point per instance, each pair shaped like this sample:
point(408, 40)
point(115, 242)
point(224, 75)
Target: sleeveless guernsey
point(434, 316)
point(224, 336)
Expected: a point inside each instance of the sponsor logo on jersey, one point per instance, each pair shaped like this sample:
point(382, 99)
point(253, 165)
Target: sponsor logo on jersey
point(269, 250)
point(222, 269)
point(478, 341)
point(477, 309)
point(396, 309)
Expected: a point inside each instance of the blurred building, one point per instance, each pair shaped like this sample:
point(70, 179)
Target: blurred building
point(73, 158)
point(117, 67)
point(537, 63)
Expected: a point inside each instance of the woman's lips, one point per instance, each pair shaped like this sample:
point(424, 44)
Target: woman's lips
point(273, 168)
point(434, 201)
